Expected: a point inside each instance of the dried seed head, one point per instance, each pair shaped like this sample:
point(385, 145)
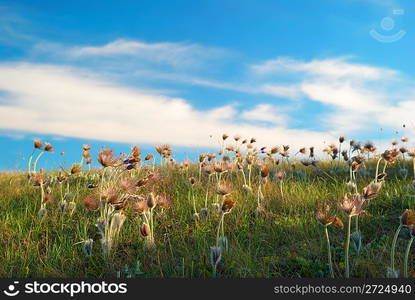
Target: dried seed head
point(86, 147)
point(126, 183)
point(47, 197)
point(151, 200)
point(265, 170)
point(192, 180)
point(408, 218)
point(91, 202)
point(281, 174)
point(76, 168)
point(223, 189)
point(148, 157)
point(61, 177)
point(137, 203)
point(145, 230)
point(37, 144)
point(227, 205)
point(352, 204)
point(224, 136)
point(372, 190)
point(325, 218)
point(85, 154)
point(341, 139)
point(48, 147)
point(159, 149)
point(164, 200)
point(106, 158)
point(390, 155)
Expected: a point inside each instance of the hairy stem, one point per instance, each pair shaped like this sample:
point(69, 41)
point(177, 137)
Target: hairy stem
point(329, 251)
point(405, 266)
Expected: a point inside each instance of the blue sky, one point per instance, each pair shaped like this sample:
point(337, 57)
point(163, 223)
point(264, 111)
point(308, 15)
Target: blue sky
point(117, 74)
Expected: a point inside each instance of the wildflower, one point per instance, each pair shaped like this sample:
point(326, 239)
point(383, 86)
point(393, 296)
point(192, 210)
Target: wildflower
point(85, 154)
point(223, 189)
point(37, 144)
point(86, 147)
point(369, 147)
point(38, 179)
point(345, 155)
point(138, 204)
point(60, 177)
point(127, 184)
point(265, 170)
point(164, 201)
point(91, 202)
point(151, 200)
point(47, 197)
point(192, 180)
point(76, 168)
point(326, 218)
point(341, 139)
point(408, 218)
point(148, 157)
point(145, 230)
point(352, 204)
point(281, 174)
point(48, 147)
point(227, 205)
point(371, 191)
point(390, 155)
point(106, 158)
point(224, 136)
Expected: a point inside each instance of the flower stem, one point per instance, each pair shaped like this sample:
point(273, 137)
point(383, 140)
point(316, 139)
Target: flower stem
point(405, 266)
point(329, 251)
point(395, 239)
point(347, 273)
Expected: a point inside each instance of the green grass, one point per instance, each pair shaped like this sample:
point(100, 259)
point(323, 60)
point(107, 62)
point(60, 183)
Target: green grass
point(286, 241)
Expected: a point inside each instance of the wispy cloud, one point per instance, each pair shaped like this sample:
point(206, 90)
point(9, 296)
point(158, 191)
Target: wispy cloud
point(174, 54)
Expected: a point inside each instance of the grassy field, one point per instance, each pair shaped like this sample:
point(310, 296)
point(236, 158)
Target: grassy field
point(281, 239)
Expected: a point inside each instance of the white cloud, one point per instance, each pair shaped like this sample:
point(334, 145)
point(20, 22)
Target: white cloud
point(333, 68)
point(266, 113)
point(355, 97)
point(47, 99)
point(174, 54)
